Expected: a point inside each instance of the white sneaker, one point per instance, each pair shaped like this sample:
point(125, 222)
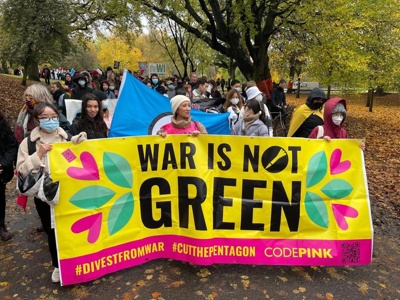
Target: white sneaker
point(55, 277)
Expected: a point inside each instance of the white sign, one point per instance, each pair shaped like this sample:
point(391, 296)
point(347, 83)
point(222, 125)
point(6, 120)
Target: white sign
point(159, 69)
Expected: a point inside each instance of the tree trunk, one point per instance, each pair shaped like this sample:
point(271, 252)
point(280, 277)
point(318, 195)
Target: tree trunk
point(298, 88)
point(231, 69)
point(370, 91)
point(328, 92)
point(371, 102)
point(379, 91)
point(4, 68)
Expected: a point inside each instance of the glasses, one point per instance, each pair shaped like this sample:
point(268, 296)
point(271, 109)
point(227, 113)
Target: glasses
point(49, 119)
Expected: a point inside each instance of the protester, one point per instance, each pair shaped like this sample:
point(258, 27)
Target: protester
point(253, 93)
point(278, 98)
point(47, 133)
point(88, 77)
point(156, 85)
point(253, 123)
point(308, 116)
point(59, 95)
point(8, 155)
point(170, 89)
point(107, 115)
point(96, 79)
point(33, 95)
point(235, 84)
point(105, 87)
point(90, 120)
point(82, 88)
point(46, 74)
point(181, 121)
point(68, 82)
point(193, 80)
point(335, 114)
point(200, 89)
point(212, 90)
point(233, 105)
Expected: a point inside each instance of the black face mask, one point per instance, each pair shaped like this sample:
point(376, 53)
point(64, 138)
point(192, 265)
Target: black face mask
point(316, 106)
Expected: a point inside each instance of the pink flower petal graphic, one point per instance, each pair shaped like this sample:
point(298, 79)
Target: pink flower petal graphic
point(90, 171)
point(91, 223)
point(336, 165)
point(340, 213)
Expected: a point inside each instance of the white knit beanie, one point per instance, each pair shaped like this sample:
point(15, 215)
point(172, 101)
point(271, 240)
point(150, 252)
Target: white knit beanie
point(177, 101)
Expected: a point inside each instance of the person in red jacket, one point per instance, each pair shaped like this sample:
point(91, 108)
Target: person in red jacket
point(334, 117)
point(335, 114)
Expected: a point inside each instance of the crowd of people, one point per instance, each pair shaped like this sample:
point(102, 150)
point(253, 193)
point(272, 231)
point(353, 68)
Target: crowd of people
point(42, 122)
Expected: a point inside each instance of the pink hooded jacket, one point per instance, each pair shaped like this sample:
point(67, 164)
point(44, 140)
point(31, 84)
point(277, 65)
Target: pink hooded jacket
point(331, 129)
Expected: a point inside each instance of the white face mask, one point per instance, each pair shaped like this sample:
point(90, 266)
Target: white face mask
point(235, 101)
point(337, 119)
point(239, 89)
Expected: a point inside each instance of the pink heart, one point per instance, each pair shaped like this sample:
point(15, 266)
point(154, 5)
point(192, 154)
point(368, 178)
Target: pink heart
point(90, 171)
point(336, 165)
point(91, 223)
point(340, 213)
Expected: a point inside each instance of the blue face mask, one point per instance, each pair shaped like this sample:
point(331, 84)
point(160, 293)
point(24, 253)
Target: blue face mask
point(171, 87)
point(105, 104)
point(155, 81)
point(49, 125)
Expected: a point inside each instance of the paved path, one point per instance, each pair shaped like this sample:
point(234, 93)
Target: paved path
point(26, 270)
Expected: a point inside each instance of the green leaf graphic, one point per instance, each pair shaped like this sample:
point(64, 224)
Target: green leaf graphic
point(120, 213)
point(316, 169)
point(337, 189)
point(92, 197)
point(118, 169)
point(316, 209)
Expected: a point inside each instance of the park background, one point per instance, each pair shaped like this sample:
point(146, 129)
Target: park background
point(352, 48)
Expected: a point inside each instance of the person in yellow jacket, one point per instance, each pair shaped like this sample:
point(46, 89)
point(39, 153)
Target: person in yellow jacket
point(309, 115)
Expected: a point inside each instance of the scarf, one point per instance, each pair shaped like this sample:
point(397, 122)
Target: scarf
point(181, 123)
point(25, 124)
point(249, 120)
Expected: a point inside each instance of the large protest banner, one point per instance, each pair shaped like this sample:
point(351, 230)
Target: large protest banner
point(210, 199)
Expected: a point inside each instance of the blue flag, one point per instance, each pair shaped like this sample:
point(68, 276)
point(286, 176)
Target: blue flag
point(142, 111)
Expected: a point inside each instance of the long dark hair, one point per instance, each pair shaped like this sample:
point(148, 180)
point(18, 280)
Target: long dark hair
point(87, 123)
point(257, 107)
point(5, 128)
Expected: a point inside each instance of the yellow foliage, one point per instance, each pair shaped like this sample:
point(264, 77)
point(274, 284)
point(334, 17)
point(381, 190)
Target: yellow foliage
point(115, 49)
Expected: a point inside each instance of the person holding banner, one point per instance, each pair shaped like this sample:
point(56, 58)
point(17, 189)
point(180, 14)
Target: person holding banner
point(181, 121)
point(91, 119)
point(48, 132)
point(253, 123)
point(335, 114)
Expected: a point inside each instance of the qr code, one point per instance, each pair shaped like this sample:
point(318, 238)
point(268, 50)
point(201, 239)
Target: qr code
point(350, 252)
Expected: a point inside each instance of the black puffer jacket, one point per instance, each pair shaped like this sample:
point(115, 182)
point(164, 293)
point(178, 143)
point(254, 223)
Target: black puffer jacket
point(8, 154)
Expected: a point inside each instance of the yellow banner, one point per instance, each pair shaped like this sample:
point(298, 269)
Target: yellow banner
point(210, 199)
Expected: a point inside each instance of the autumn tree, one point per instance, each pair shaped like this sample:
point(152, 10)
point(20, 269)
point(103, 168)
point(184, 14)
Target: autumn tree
point(115, 49)
point(178, 44)
point(352, 44)
point(240, 30)
point(41, 31)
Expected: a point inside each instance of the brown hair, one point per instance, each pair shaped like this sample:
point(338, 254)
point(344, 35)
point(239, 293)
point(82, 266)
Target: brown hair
point(229, 96)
